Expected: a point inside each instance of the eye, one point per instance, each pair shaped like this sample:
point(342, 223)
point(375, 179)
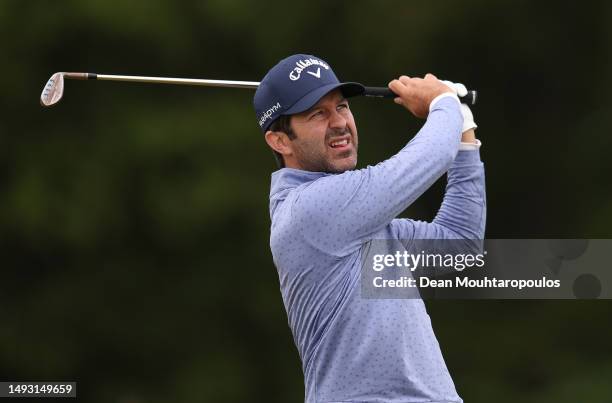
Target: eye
point(342, 106)
point(315, 114)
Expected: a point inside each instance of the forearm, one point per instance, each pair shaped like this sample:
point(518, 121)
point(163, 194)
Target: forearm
point(463, 209)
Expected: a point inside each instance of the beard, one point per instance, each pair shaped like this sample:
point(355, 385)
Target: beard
point(311, 158)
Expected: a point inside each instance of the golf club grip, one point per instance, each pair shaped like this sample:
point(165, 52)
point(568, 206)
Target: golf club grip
point(384, 92)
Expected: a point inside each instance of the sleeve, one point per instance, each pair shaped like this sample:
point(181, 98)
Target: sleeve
point(463, 211)
point(470, 146)
point(340, 211)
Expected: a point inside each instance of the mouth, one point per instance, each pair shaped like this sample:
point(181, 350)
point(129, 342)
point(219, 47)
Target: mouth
point(340, 143)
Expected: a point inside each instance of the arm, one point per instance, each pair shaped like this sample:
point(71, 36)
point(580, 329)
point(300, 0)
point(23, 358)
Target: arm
point(343, 210)
point(463, 211)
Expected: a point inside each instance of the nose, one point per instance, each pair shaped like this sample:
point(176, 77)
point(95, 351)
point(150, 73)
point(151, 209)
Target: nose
point(337, 121)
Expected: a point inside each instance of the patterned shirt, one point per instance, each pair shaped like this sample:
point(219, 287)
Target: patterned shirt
point(355, 349)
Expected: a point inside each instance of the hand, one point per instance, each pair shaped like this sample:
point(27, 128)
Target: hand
point(457, 88)
point(416, 94)
point(468, 118)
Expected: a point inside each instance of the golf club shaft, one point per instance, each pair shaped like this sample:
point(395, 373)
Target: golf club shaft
point(383, 92)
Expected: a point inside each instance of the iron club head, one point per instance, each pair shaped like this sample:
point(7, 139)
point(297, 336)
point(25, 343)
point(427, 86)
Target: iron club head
point(53, 91)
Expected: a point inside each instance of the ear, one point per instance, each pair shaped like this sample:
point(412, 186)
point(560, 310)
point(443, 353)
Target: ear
point(279, 142)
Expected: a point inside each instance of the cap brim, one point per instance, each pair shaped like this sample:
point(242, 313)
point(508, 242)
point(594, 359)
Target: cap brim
point(349, 89)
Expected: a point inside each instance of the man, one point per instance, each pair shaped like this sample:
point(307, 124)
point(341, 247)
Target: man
point(324, 213)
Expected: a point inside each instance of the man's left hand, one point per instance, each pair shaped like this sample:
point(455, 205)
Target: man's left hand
point(468, 118)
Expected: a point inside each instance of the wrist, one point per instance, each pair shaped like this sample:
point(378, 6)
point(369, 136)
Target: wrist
point(442, 96)
point(468, 119)
point(468, 136)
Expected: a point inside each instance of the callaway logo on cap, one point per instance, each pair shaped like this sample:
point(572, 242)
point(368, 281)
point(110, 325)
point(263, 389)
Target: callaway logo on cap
point(294, 85)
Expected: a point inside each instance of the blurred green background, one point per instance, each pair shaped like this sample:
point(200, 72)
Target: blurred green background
point(134, 218)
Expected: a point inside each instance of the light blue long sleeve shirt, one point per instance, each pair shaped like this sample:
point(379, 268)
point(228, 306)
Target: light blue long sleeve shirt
point(355, 349)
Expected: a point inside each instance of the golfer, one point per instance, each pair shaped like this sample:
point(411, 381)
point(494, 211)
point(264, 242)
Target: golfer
point(325, 212)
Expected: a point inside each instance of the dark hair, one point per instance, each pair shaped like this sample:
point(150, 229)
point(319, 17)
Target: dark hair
point(282, 124)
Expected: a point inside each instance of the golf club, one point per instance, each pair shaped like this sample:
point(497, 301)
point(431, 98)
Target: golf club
point(54, 89)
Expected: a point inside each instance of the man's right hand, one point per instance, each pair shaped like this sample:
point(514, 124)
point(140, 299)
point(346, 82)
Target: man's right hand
point(416, 94)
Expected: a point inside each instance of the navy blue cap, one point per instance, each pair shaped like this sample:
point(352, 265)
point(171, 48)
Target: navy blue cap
point(294, 85)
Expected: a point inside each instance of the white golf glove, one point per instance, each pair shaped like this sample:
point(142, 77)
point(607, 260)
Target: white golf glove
point(468, 118)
